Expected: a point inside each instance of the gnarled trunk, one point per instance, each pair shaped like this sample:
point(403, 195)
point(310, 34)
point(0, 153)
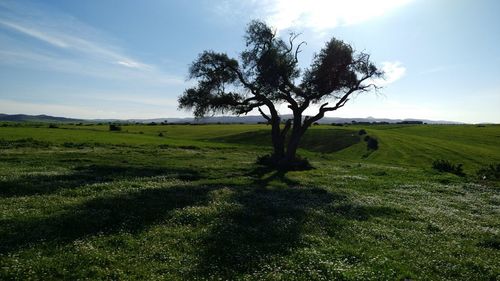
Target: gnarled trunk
point(291, 150)
point(294, 140)
point(277, 139)
point(285, 143)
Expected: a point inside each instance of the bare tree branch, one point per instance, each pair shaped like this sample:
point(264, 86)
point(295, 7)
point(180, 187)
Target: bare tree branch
point(264, 115)
point(298, 50)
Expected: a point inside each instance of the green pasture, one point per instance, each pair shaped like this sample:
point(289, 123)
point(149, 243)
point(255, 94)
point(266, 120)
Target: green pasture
point(83, 203)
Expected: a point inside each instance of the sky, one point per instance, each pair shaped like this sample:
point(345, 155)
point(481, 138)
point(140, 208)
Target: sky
point(129, 59)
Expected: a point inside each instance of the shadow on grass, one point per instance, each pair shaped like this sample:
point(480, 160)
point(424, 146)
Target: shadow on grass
point(262, 221)
point(323, 140)
point(267, 223)
point(272, 221)
point(264, 175)
point(85, 175)
point(128, 212)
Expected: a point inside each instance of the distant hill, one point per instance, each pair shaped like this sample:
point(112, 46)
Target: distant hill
point(252, 119)
point(256, 119)
point(36, 118)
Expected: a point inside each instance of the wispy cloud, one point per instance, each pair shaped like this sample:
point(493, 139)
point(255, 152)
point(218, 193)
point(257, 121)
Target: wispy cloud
point(36, 34)
point(318, 15)
point(46, 61)
point(59, 39)
point(71, 40)
point(393, 71)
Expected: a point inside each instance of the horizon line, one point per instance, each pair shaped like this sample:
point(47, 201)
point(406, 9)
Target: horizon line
point(242, 116)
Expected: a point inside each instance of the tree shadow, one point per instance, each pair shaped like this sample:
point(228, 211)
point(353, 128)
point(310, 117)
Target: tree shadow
point(129, 212)
point(323, 141)
point(263, 222)
point(267, 223)
point(263, 175)
point(270, 222)
point(85, 175)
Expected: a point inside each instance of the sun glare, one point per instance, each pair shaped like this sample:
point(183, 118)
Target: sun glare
point(324, 14)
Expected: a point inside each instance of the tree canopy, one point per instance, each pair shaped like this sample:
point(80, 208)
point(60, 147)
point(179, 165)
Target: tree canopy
point(268, 74)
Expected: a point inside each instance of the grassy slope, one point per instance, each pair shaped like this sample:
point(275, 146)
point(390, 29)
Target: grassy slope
point(418, 146)
point(192, 205)
point(472, 145)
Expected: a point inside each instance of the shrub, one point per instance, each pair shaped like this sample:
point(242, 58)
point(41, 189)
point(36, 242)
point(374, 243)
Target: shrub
point(189, 147)
point(114, 127)
point(299, 164)
point(74, 145)
point(362, 132)
point(446, 166)
point(372, 143)
point(160, 134)
point(491, 172)
point(53, 126)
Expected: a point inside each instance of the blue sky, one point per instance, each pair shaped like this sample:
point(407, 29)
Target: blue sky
point(129, 59)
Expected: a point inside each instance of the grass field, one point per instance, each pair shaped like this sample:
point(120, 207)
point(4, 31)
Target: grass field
point(84, 203)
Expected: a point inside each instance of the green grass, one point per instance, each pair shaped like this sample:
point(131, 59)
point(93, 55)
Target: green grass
point(80, 202)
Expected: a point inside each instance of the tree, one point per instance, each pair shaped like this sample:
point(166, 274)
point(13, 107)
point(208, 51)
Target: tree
point(268, 74)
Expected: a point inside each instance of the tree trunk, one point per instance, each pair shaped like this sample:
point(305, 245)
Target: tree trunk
point(285, 156)
point(293, 145)
point(293, 142)
point(278, 141)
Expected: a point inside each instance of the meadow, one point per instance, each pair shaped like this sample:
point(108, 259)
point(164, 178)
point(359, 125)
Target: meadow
point(189, 202)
